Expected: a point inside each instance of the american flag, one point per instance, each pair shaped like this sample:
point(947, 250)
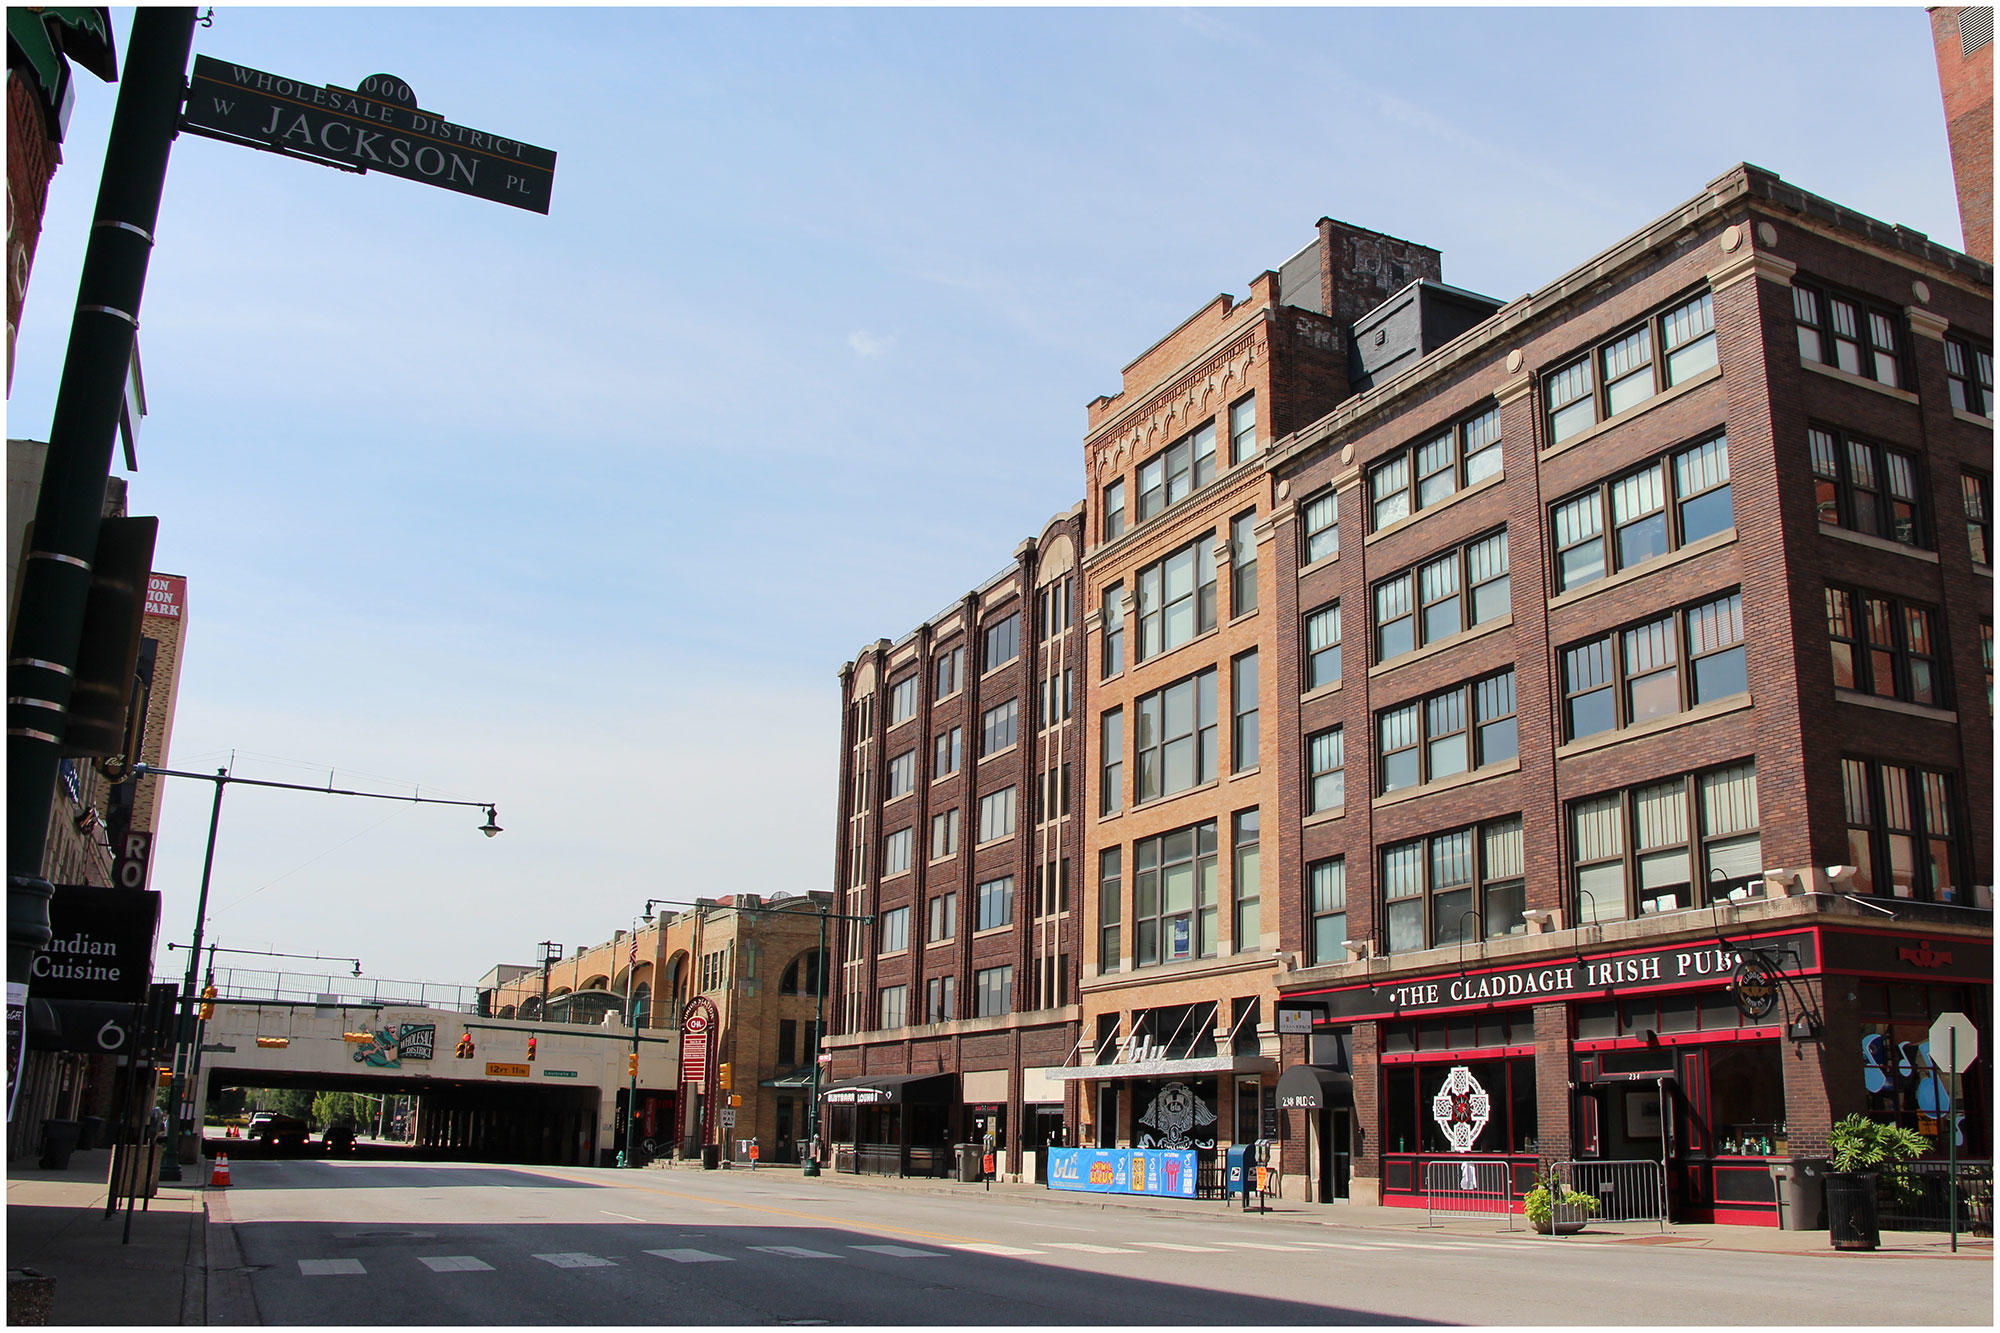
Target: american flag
point(632, 951)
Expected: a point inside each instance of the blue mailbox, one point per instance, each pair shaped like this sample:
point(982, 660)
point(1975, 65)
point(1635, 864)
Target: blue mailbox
point(1239, 1169)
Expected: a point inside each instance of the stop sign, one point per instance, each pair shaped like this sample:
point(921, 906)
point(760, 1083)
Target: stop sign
point(1954, 1042)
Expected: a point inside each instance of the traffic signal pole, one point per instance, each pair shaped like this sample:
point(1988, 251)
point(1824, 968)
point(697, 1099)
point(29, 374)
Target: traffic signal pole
point(55, 577)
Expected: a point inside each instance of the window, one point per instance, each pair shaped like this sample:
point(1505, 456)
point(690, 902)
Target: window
point(998, 727)
point(1900, 831)
point(894, 930)
point(1323, 646)
point(1435, 469)
point(1174, 896)
point(1322, 528)
point(946, 753)
point(943, 918)
point(1114, 509)
point(1051, 794)
point(1326, 776)
point(1111, 752)
point(1326, 903)
point(1465, 727)
point(1243, 563)
point(1665, 846)
point(903, 700)
point(995, 989)
point(1053, 700)
point(1176, 599)
point(1243, 429)
point(1114, 629)
point(950, 671)
point(895, 1010)
point(1051, 888)
point(1110, 905)
point(788, 1041)
point(1844, 332)
point(1636, 674)
point(1619, 374)
point(1884, 646)
point(1661, 507)
point(1865, 487)
point(1175, 737)
point(1977, 488)
point(1183, 467)
point(1969, 371)
point(1442, 597)
point(940, 999)
point(1243, 707)
point(996, 815)
point(1052, 609)
point(995, 900)
point(1003, 641)
point(1246, 929)
point(902, 775)
point(896, 852)
point(944, 834)
point(1986, 658)
point(1467, 884)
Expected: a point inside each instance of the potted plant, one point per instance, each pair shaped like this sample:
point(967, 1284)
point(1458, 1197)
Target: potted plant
point(1553, 1207)
point(1857, 1149)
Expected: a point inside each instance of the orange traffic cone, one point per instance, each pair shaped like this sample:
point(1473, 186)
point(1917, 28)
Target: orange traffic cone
point(218, 1178)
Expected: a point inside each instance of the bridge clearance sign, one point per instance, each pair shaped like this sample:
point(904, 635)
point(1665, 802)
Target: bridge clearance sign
point(375, 127)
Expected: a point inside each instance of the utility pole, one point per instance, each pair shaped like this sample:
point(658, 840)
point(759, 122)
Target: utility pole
point(55, 577)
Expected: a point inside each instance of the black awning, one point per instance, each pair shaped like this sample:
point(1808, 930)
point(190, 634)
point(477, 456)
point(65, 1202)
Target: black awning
point(1310, 1087)
point(874, 1089)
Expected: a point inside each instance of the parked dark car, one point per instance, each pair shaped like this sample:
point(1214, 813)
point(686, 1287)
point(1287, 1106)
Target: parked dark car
point(280, 1131)
point(338, 1136)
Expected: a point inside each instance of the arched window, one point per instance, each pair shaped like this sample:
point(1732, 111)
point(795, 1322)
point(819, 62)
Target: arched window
point(802, 977)
point(642, 1000)
point(676, 989)
point(531, 1007)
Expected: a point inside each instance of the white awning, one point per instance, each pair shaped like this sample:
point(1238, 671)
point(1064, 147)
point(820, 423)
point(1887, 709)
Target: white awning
point(1212, 1064)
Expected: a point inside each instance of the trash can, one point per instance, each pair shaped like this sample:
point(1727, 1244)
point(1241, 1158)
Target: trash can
point(89, 1132)
point(970, 1170)
point(1850, 1210)
point(58, 1142)
point(1800, 1184)
point(711, 1156)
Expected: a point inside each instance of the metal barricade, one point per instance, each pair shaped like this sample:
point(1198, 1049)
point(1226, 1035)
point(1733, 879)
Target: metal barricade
point(1633, 1191)
point(1469, 1187)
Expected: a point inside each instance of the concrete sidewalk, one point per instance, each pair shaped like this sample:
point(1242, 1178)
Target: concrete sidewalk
point(56, 1227)
point(1362, 1217)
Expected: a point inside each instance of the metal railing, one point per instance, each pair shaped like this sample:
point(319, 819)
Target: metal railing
point(1634, 1191)
point(325, 988)
point(1471, 1188)
point(1915, 1196)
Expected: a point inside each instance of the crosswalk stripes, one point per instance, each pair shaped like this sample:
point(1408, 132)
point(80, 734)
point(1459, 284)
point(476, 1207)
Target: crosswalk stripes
point(1184, 1249)
point(987, 1247)
point(1086, 1248)
point(898, 1251)
point(793, 1252)
point(454, 1263)
point(693, 1256)
point(1259, 1245)
point(330, 1267)
point(574, 1260)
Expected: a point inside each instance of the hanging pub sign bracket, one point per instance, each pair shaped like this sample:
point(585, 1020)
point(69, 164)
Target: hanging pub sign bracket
point(376, 126)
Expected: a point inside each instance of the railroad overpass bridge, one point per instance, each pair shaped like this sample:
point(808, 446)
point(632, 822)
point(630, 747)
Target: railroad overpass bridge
point(562, 1106)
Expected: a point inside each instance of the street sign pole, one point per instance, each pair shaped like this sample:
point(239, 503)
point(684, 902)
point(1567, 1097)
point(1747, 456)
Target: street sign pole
point(1954, 1032)
point(1951, 1138)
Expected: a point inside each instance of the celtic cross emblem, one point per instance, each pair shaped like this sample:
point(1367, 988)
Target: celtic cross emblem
point(1461, 1108)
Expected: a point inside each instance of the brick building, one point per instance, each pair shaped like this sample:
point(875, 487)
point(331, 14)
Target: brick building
point(1666, 595)
point(1963, 38)
point(961, 746)
point(756, 959)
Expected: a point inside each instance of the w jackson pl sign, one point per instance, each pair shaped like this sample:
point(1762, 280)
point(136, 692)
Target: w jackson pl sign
point(375, 127)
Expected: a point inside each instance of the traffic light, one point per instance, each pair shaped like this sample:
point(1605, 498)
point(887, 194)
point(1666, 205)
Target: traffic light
point(465, 1047)
point(531, 1050)
point(632, 1065)
point(722, 1075)
point(207, 1009)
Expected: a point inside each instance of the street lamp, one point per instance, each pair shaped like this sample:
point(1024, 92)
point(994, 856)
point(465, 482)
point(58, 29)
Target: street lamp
point(215, 949)
point(809, 1167)
point(186, 1060)
point(627, 1155)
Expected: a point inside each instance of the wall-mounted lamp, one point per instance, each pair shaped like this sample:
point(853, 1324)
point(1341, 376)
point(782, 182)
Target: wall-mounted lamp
point(1359, 949)
point(1803, 1028)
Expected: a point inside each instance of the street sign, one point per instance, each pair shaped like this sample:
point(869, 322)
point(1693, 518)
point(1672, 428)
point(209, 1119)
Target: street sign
point(726, 1117)
point(1954, 1060)
point(506, 1071)
point(375, 127)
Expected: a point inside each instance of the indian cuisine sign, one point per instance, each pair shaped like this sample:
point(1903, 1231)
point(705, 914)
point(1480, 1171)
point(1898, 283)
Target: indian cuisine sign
point(374, 127)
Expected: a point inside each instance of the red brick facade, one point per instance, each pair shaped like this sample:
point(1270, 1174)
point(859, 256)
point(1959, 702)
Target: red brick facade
point(1963, 36)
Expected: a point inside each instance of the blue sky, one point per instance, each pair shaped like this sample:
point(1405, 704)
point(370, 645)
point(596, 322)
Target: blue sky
point(582, 513)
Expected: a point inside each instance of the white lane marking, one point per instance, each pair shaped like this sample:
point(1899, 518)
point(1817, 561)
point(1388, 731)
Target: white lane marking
point(627, 1216)
point(330, 1267)
point(454, 1263)
point(898, 1251)
point(1086, 1249)
point(984, 1247)
point(1335, 1245)
point(693, 1256)
point(1169, 1245)
point(574, 1260)
point(793, 1252)
point(1257, 1245)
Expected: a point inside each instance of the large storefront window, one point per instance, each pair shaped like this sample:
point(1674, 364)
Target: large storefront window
point(1493, 1104)
point(1746, 1097)
point(1897, 1071)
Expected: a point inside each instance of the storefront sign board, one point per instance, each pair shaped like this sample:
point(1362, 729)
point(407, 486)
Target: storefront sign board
point(1123, 1171)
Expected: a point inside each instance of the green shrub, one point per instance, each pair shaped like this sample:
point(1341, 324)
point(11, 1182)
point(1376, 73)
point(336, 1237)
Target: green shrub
point(1540, 1202)
point(1860, 1144)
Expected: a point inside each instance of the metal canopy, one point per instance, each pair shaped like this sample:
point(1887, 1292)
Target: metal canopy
point(1310, 1087)
point(872, 1089)
point(1218, 1064)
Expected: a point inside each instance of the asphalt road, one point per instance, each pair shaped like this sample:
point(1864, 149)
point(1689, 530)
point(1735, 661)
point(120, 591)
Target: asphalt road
point(360, 1242)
